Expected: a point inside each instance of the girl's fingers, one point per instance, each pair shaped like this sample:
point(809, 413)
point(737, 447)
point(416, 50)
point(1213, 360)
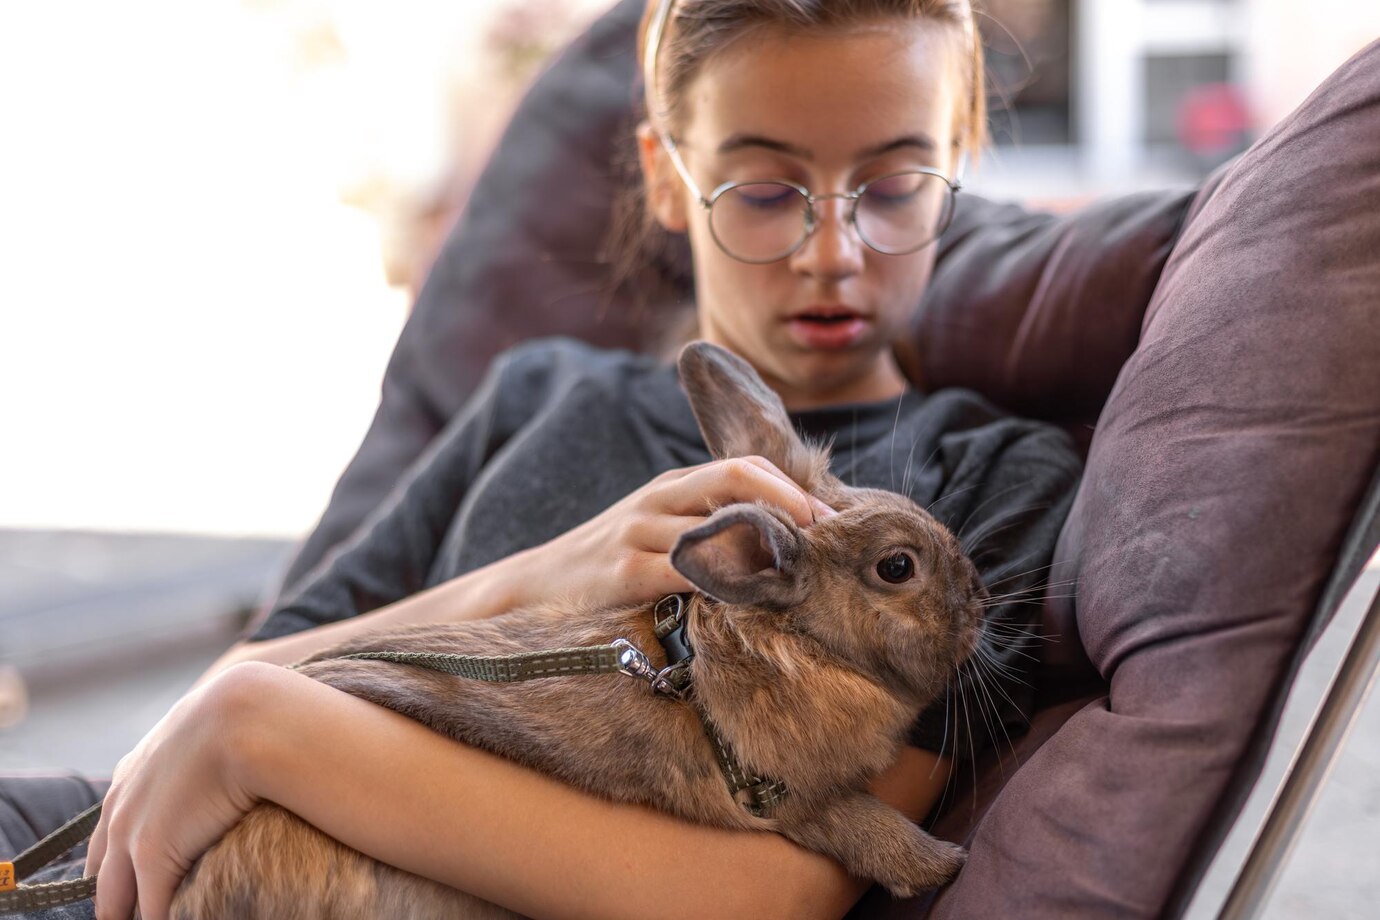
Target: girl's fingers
point(740, 480)
point(155, 896)
point(115, 894)
point(657, 578)
point(658, 533)
point(818, 509)
point(95, 850)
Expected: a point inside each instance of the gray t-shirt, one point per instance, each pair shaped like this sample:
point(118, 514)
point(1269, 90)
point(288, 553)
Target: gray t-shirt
point(560, 430)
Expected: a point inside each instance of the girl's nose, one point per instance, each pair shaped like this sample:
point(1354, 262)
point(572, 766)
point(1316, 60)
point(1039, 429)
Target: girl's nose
point(833, 249)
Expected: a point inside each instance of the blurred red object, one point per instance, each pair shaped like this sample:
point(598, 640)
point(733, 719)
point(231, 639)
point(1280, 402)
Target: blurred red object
point(1213, 119)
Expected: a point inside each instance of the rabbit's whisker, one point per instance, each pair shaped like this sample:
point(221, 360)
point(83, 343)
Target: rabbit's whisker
point(1006, 669)
point(1012, 629)
point(920, 472)
point(1003, 599)
point(949, 778)
point(895, 427)
point(996, 581)
point(972, 746)
point(950, 495)
point(1006, 695)
point(1033, 592)
point(981, 680)
point(1003, 669)
point(945, 737)
point(984, 503)
point(975, 677)
point(1007, 521)
point(996, 644)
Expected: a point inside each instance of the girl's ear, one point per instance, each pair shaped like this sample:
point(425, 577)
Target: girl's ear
point(666, 193)
point(743, 554)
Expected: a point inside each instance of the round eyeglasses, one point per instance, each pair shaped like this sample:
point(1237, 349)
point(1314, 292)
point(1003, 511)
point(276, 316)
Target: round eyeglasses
point(763, 221)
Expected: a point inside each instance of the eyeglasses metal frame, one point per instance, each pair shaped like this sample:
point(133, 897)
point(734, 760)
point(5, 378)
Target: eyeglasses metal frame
point(811, 223)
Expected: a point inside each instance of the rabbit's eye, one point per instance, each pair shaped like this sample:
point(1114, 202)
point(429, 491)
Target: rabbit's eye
point(896, 569)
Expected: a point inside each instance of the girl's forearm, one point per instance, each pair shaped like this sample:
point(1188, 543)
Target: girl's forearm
point(484, 592)
point(393, 789)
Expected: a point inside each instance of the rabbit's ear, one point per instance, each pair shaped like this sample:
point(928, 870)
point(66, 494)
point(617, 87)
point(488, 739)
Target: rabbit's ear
point(742, 555)
point(740, 415)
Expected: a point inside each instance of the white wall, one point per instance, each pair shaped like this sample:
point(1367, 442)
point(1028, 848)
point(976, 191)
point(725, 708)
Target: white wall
point(192, 326)
point(1291, 47)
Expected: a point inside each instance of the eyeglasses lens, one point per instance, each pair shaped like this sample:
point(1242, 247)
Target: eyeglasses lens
point(759, 221)
point(901, 213)
point(765, 221)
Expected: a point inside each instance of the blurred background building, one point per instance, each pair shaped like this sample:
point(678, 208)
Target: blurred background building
point(214, 218)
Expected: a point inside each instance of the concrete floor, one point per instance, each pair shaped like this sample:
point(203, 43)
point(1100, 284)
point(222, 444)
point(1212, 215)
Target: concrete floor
point(86, 712)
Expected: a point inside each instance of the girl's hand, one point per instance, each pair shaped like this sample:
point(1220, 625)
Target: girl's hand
point(621, 556)
point(172, 797)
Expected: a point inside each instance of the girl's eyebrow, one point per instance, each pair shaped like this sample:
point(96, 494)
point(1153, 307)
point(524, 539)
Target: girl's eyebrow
point(741, 141)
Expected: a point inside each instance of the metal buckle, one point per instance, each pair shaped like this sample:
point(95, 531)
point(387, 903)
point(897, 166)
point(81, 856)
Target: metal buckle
point(632, 662)
point(672, 605)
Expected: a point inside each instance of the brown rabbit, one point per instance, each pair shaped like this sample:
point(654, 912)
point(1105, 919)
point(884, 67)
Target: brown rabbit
point(814, 650)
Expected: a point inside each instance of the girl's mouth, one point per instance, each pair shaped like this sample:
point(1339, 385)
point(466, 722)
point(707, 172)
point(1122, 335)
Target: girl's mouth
point(827, 328)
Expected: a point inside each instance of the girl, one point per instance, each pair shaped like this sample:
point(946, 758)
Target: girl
point(809, 150)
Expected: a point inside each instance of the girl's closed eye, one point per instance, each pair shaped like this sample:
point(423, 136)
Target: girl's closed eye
point(768, 196)
point(894, 190)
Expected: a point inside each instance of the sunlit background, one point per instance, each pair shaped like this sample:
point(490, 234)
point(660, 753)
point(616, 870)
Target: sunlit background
point(214, 217)
point(214, 214)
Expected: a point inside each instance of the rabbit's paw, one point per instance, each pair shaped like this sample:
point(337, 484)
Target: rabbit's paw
point(874, 840)
point(928, 864)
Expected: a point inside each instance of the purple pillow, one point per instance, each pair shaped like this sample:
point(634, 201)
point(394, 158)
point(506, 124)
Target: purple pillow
point(1039, 312)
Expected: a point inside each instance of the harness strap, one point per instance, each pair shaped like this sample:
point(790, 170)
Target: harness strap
point(621, 656)
point(762, 794)
point(592, 659)
point(670, 625)
point(18, 899)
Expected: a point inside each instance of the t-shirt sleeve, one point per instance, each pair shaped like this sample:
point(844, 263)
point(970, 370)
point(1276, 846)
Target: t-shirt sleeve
point(1006, 501)
point(392, 553)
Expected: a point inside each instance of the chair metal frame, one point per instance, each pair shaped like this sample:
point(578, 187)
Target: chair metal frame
point(1331, 723)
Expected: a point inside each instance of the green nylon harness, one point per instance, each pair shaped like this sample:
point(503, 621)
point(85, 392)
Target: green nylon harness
point(756, 794)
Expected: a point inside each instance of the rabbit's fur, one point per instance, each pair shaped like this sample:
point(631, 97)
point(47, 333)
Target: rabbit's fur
point(809, 664)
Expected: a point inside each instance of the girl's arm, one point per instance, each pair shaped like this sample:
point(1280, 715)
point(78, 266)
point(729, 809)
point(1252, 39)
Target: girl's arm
point(405, 795)
point(482, 593)
point(618, 557)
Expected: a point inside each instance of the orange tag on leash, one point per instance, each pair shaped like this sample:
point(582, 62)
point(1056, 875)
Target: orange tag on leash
point(7, 882)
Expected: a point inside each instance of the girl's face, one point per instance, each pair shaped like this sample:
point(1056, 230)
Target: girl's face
point(829, 112)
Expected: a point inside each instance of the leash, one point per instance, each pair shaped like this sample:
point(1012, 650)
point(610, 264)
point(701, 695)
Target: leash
point(756, 794)
point(15, 898)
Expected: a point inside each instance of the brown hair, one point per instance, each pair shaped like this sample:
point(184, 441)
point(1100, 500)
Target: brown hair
point(698, 29)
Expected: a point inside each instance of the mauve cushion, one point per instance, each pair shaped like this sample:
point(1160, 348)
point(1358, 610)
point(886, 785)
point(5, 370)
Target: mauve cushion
point(1230, 459)
point(1039, 312)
